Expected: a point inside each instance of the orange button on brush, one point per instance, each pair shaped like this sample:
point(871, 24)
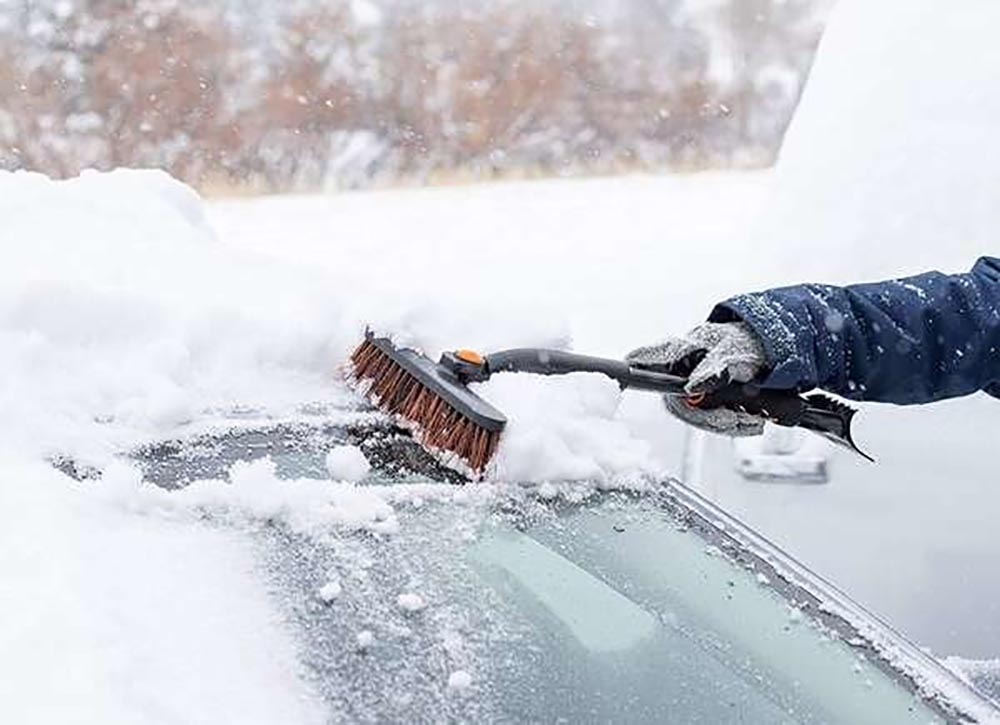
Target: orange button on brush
point(695, 399)
point(470, 356)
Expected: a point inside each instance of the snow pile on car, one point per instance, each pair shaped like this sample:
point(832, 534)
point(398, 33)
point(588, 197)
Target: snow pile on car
point(124, 318)
point(121, 318)
point(111, 617)
point(255, 493)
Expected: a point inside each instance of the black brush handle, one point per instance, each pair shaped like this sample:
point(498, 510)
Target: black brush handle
point(539, 361)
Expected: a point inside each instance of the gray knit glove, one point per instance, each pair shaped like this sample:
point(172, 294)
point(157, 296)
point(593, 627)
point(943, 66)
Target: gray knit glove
point(711, 356)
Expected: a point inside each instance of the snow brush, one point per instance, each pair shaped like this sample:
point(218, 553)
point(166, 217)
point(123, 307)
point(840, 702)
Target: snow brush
point(434, 401)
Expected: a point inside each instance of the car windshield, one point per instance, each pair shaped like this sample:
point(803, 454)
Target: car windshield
point(554, 603)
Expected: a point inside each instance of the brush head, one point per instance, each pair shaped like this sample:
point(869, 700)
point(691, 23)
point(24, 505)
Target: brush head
point(431, 400)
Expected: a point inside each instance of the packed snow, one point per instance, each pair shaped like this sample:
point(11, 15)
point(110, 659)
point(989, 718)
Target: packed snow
point(459, 680)
point(365, 639)
point(330, 591)
point(112, 617)
point(410, 602)
point(254, 492)
point(347, 463)
point(122, 317)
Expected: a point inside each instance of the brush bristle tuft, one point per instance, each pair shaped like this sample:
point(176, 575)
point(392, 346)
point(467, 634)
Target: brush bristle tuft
point(438, 426)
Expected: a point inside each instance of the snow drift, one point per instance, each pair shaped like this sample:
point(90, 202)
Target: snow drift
point(121, 317)
point(112, 617)
point(124, 318)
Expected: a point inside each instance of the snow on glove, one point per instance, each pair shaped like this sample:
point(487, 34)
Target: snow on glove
point(712, 355)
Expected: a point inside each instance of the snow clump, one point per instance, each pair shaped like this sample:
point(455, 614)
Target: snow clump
point(459, 680)
point(410, 602)
point(330, 591)
point(347, 463)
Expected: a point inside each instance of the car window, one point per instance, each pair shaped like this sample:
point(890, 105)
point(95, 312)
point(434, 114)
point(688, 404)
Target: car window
point(636, 620)
point(566, 604)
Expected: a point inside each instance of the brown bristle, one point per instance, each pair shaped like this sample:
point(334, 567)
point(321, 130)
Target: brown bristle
point(439, 425)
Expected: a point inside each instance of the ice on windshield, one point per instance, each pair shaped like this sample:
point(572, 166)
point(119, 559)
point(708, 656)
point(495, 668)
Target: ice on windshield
point(428, 600)
point(701, 641)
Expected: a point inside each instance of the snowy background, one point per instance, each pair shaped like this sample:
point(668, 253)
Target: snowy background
point(263, 95)
point(131, 310)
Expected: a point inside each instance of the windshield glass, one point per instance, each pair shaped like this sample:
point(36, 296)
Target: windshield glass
point(569, 604)
point(635, 620)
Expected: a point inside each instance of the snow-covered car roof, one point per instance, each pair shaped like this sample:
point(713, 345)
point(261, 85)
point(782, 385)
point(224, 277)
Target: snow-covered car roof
point(415, 598)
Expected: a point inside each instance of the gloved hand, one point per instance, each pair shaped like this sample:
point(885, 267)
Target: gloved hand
point(712, 355)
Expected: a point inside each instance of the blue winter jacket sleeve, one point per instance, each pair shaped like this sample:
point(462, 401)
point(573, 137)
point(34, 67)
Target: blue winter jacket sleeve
point(912, 340)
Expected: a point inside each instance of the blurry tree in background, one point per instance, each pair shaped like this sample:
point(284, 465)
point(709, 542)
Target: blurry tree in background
point(315, 94)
